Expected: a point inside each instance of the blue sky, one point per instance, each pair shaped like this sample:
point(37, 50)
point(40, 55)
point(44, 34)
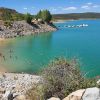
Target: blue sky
point(55, 6)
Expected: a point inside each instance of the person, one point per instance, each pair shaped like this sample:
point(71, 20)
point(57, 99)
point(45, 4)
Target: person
point(4, 58)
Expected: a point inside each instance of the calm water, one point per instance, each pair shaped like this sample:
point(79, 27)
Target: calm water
point(31, 53)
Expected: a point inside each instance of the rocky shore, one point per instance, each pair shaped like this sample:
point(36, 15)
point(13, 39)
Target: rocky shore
point(22, 28)
point(82, 94)
point(14, 86)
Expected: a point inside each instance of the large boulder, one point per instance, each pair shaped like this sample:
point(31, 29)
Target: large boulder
point(77, 95)
point(85, 94)
point(20, 97)
point(91, 94)
point(53, 98)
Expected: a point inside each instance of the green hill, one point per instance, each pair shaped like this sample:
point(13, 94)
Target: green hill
point(88, 15)
point(10, 14)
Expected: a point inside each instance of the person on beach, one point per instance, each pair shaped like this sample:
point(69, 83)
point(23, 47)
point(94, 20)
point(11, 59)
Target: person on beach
point(4, 58)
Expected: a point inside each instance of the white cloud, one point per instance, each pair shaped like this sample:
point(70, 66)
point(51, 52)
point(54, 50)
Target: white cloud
point(85, 7)
point(89, 3)
point(25, 8)
point(89, 6)
point(70, 8)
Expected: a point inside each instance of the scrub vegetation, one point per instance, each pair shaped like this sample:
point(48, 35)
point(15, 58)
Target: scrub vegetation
point(60, 78)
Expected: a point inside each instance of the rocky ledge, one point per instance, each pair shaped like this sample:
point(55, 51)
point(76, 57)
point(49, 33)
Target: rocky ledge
point(14, 86)
point(83, 94)
point(21, 28)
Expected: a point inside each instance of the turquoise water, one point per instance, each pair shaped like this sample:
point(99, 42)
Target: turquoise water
point(31, 53)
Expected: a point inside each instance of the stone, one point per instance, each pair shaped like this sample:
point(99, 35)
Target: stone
point(91, 94)
point(53, 98)
point(20, 97)
point(8, 95)
point(77, 95)
point(15, 77)
point(2, 90)
point(98, 82)
point(15, 95)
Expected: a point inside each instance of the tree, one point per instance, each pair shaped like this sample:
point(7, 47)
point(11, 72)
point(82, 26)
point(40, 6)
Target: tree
point(28, 18)
point(44, 15)
point(17, 17)
point(39, 14)
point(6, 16)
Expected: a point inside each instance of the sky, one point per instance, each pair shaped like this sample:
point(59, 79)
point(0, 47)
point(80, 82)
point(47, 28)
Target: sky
point(54, 6)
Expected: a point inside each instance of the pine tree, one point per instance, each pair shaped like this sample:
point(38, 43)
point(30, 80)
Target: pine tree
point(28, 18)
point(44, 15)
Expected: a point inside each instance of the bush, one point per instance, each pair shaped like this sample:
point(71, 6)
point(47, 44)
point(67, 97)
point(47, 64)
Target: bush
point(35, 93)
point(62, 77)
point(8, 24)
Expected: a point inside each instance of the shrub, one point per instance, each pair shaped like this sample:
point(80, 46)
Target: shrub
point(35, 93)
point(8, 24)
point(62, 77)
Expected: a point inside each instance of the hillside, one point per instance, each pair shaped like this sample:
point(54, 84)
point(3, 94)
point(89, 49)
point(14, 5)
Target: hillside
point(3, 10)
point(9, 14)
point(88, 15)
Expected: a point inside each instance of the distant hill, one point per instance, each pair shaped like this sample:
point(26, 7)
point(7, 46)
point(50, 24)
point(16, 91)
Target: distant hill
point(9, 14)
point(87, 15)
point(3, 10)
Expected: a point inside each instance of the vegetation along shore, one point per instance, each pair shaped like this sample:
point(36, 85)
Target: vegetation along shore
point(14, 24)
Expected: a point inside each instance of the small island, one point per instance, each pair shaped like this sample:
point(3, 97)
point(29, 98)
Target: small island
point(14, 24)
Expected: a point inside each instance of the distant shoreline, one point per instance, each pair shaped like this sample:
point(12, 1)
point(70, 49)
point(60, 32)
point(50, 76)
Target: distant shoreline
point(64, 20)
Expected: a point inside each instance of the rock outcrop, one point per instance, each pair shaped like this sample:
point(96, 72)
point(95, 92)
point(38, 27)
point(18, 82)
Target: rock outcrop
point(53, 98)
point(83, 94)
point(14, 87)
point(21, 28)
point(91, 94)
point(77, 95)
